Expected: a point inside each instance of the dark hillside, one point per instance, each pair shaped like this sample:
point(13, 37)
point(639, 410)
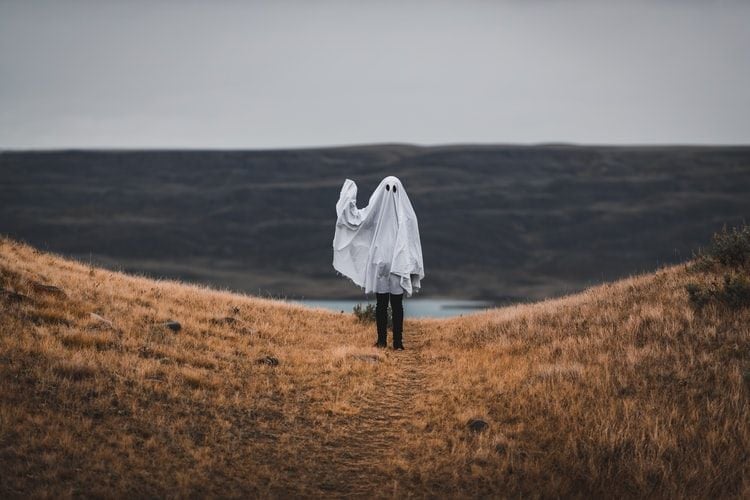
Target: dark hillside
point(496, 221)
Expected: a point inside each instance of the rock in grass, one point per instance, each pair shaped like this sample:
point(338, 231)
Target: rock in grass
point(45, 288)
point(173, 325)
point(268, 360)
point(12, 296)
point(368, 358)
point(102, 320)
point(477, 425)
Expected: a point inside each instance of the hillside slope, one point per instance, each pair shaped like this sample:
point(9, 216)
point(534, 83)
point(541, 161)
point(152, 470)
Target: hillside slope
point(623, 389)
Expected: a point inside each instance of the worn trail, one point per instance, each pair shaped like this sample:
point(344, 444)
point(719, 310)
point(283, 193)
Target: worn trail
point(385, 415)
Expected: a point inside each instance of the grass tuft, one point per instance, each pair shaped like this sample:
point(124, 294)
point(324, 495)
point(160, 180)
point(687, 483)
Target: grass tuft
point(367, 314)
point(74, 371)
point(726, 266)
point(80, 340)
point(729, 248)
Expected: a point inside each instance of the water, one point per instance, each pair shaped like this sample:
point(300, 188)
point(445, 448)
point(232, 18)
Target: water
point(413, 308)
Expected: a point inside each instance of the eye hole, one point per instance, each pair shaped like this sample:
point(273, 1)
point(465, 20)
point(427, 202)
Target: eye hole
point(387, 187)
point(394, 188)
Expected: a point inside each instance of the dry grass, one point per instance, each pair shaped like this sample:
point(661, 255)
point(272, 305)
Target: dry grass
point(622, 390)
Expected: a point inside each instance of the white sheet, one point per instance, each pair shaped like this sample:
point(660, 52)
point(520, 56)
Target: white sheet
point(374, 244)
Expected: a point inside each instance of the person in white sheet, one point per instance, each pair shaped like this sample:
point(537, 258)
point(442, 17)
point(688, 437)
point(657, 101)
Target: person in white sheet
point(378, 248)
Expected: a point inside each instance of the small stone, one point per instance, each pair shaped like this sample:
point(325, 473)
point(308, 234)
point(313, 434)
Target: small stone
point(12, 296)
point(626, 392)
point(477, 425)
point(173, 325)
point(45, 288)
point(268, 360)
point(101, 319)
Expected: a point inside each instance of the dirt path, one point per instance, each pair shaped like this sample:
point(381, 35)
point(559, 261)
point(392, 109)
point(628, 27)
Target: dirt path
point(385, 415)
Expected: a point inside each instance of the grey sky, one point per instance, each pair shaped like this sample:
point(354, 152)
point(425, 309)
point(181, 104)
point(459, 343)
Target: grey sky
point(280, 74)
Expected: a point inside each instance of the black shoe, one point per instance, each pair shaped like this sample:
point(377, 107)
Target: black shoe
point(380, 345)
point(399, 347)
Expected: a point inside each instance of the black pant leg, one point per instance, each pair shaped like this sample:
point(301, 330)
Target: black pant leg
point(381, 316)
point(397, 308)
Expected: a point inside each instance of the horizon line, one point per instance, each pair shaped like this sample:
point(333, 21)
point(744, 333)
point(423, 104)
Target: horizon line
point(360, 145)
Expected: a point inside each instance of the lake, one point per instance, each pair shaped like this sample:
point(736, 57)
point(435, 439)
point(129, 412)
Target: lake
point(413, 308)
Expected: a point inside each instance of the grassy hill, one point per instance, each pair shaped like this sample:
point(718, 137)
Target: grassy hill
point(497, 222)
point(627, 389)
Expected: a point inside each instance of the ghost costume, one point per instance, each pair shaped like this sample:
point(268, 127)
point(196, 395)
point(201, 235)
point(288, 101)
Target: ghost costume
point(378, 246)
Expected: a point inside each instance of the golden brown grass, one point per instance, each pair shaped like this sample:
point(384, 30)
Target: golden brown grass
point(621, 390)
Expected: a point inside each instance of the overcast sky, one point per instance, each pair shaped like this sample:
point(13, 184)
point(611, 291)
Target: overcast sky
point(244, 74)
